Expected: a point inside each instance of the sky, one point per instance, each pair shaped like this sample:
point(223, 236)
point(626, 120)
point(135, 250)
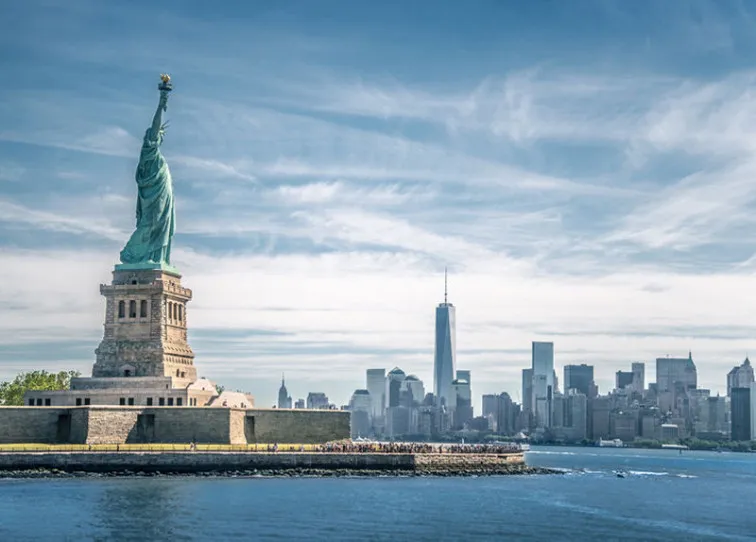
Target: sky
point(585, 170)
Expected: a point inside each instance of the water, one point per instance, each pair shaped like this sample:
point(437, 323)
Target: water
point(666, 496)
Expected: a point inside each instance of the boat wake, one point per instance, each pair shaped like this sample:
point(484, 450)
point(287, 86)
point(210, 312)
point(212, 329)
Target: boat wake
point(628, 473)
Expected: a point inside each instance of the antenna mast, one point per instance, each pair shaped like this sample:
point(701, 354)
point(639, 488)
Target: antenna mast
point(445, 287)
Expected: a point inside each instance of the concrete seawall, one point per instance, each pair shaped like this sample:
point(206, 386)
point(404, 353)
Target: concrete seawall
point(247, 463)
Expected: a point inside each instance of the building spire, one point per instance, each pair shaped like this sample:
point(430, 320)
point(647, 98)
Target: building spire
point(283, 381)
point(445, 287)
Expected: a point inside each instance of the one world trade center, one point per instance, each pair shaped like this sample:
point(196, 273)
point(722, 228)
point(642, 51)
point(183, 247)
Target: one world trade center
point(445, 352)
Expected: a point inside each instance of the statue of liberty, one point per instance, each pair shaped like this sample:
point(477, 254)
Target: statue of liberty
point(150, 243)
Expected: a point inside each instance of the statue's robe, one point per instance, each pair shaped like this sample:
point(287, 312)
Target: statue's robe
point(155, 214)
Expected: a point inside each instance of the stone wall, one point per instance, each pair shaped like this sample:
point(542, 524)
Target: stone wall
point(115, 425)
point(79, 429)
point(236, 426)
point(484, 463)
point(191, 462)
point(201, 461)
point(297, 426)
point(193, 424)
point(111, 425)
point(132, 424)
point(21, 424)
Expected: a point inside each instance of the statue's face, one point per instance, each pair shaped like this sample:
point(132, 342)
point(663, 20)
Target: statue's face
point(148, 141)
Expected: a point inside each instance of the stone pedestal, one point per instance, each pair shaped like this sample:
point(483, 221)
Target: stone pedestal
point(145, 328)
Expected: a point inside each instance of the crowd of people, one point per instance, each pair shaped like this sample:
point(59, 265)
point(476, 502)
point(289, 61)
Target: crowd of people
point(356, 447)
point(349, 447)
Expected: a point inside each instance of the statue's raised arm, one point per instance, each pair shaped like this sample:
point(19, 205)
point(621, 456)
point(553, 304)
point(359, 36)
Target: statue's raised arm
point(165, 88)
point(150, 244)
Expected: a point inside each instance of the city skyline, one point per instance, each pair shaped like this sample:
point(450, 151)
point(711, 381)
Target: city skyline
point(637, 372)
point(593, 190)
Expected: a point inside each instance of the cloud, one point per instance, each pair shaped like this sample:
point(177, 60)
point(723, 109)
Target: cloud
point(294, 145)
point(339, 192)
point(353, 310)
point(698, 210)
point(215, 168)
point(601, 198)
point(111, 140)
point(708, 117)
point(18, 216)
point(522, 106)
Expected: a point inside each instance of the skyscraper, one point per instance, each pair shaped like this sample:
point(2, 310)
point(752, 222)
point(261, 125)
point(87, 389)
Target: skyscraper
point(623, 380)
point(740, 413)
point(543, 383)
point(639, 376)
point(360, 406)
point(505, 415)
point(393, 385)
point(463, 411)
point(376, 386)
point(416, 388)
point(527, 391)
point(578, 377)
point(464, 375)
point(445, 352)
point(576, 414)
point(740, 377)
point(317, 400)
point(675, 379)
point(500, 412)
point(397, 413)
point(284, 400)
point(753, 409)
point(490, 408)
point(676, 372)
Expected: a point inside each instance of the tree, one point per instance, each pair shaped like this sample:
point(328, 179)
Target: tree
point(12, 393)
point(220, 389)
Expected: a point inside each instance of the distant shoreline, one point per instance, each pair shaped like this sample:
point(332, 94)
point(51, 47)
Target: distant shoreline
point(633, 446)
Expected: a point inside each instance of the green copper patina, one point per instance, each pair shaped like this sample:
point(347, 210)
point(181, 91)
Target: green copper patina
point(150, 245)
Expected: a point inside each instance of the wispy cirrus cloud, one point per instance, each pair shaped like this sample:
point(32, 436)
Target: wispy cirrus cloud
point(344, 193)
point(17, 216)
point(594, 190)
point(534, 104)
point(701, 209)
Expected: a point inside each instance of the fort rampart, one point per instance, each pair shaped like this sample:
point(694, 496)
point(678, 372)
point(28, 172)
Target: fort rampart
point(144, 425)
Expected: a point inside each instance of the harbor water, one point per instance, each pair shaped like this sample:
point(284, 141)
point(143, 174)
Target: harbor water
point(662, 495)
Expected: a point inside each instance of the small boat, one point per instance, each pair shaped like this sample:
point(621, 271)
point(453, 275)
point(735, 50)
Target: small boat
point(620, 474)
point(613, 443)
